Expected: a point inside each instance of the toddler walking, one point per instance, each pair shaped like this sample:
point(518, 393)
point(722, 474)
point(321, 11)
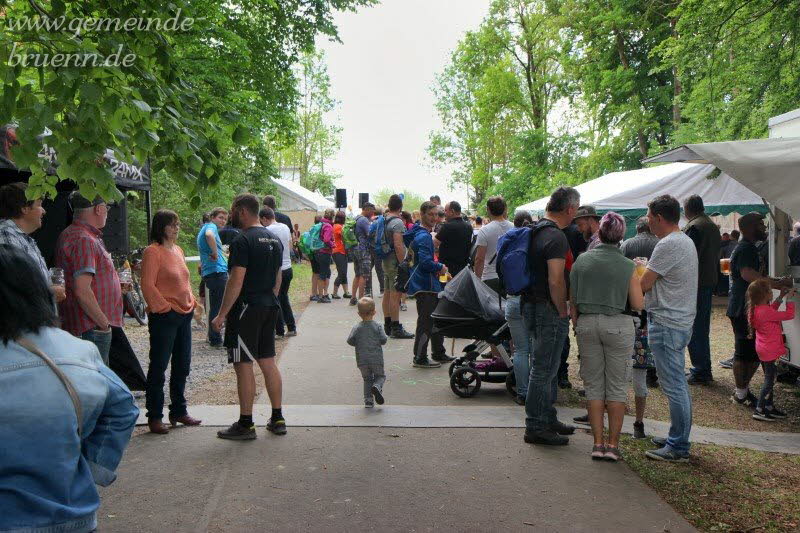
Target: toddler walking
point(368, 338)
point(765, 320)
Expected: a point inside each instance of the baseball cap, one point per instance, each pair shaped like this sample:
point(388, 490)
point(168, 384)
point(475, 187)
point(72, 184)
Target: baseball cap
point(749, 219)
point(77, 201)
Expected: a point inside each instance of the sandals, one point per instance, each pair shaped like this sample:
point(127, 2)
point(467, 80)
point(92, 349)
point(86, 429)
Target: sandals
point(598, 452)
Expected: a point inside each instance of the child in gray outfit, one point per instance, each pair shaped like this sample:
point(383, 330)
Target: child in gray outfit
point(368, 338)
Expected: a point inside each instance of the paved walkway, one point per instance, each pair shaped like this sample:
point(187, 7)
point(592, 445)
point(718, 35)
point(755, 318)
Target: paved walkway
point(445, 463)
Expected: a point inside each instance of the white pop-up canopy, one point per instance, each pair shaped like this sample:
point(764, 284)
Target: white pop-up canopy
point(768, 167)
point(629, 192)
point(295, 197)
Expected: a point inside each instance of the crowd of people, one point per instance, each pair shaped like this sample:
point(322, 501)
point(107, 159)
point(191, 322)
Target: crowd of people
point(635, 306)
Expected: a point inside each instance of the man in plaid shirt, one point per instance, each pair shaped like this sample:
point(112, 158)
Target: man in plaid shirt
point(19, 217)
point(94, 295)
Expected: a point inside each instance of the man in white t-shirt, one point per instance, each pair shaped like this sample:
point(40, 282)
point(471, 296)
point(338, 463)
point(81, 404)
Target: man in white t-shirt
point(284, 234)
point(486, 243)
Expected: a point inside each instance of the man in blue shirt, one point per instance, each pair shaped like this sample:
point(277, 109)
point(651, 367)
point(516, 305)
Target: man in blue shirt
point(213, 268)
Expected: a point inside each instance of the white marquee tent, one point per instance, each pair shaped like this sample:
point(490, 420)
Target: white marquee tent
point(628, 193)
point(294, 197)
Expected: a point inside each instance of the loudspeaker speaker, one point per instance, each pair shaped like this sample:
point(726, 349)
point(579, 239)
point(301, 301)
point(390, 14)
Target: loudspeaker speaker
point(115, 233)
point(363, 197)
point(341, 198)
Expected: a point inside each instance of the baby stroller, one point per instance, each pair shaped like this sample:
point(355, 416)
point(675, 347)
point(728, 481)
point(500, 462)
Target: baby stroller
point(468, 309)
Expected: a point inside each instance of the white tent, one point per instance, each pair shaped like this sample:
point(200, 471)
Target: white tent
point(293, 197)
point(629, 192)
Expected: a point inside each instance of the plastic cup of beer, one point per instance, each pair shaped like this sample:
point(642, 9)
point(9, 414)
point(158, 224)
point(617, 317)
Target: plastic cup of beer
point(57, 276)
point(641, 265)
point(725, 266)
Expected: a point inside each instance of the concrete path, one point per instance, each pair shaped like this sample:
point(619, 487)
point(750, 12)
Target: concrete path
point(340, 469)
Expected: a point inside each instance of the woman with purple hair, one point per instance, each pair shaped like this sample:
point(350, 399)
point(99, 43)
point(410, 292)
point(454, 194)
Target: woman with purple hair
point(603, 283)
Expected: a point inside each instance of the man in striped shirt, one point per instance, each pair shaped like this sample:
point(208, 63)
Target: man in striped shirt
point(94, 295)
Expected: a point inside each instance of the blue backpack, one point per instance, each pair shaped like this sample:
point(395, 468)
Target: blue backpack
point(513, 269)
point(383, 247)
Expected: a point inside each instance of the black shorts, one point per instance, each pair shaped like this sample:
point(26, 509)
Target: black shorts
point(250, 333)
point(324, 264)
point(744, 348)
point(314, 265)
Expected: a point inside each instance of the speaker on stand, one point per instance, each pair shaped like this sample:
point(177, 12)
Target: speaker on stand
point(341, 198)
point(363, 197)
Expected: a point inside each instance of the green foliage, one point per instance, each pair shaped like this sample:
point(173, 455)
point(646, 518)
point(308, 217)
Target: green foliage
point(411, 200)
point(313, 141)
point(186, 99)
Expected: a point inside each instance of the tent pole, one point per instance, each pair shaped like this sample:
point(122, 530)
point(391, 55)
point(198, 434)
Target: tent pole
point(149, 212)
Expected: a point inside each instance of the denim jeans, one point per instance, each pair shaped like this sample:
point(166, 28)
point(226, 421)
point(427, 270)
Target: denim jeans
point(668, 347)
point(286, 316)
point(700, 345)
point(426, 305)
point(101, 339)
point(549, 331)
point(170, 336)
point(373, 376)
point(215, 286)
point(765, 398)
point(522, 343)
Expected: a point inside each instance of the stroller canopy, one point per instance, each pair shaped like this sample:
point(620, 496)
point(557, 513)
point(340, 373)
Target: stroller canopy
point(467, 291)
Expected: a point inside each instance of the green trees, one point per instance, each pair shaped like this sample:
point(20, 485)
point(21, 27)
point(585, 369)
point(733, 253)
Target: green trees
point(546, 92)
point(313, 141)
point(411, 200)
point(192, 96)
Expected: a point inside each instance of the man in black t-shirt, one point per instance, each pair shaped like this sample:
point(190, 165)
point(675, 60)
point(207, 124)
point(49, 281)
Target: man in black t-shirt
point(747, 266)
point(454, 239)
point(251, 308)
point(546, 315)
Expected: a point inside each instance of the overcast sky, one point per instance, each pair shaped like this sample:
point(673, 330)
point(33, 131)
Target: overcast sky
point(382, 74)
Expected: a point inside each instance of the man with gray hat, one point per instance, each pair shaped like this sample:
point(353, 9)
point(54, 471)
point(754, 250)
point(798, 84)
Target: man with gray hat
point(94, 295)
point(588, 222)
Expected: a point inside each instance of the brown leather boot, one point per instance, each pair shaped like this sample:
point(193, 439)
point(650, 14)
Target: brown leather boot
point(186, 420)
point(157, 426)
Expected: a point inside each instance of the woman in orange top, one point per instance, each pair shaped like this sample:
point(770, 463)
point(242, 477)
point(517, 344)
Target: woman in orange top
point(339, 256)
point(170, 305)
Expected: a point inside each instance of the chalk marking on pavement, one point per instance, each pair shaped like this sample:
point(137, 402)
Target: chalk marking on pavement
point(213, 501)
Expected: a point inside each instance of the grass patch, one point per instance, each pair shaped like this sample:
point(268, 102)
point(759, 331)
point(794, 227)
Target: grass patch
point(725, 489)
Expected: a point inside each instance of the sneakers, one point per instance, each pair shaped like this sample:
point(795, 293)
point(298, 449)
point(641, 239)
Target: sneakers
point(695, 380)
point(403, 307)
point(665, 454)
point(387, 328)
point(369, 404)
point(442, 358)
point(325, 299)
point(638, 430)
point(562, 429)
point(425, 363)
point(598, 452)
point(336, 297)
point(764, 416)
point(612, 454)
point(378, 395)
point(659, 441)
point(398, 332)
point(347, 295)
point(581, 419)
point(546, 437)
point(776, 413)
point(749, 401)
point(353, 301)
point(519, 400)
point(314, 298)
point(277, 426)
point(238, 432)
point(727, 363)
point(291, 333)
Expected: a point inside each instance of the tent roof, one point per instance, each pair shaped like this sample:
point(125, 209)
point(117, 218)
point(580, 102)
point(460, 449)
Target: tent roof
point(300, 196)
point(633, 189)
point(768, 167)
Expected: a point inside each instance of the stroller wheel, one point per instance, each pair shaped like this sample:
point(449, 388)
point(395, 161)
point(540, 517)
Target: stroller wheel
point(465, 382)
point(511, 383)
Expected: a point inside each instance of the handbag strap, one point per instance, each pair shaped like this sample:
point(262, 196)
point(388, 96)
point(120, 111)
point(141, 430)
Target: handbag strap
point(73, 394)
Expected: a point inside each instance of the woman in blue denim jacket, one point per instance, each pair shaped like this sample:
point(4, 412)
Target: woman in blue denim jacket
point(47, 471)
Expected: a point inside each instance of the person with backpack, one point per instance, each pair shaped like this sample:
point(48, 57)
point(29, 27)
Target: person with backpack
point(376, 262)
point(486, 243)
point(324, 256)
point(305, 245)
point(362, 259)
point(425, 286)
point(340, 256)
point(520, 334)
point(390, 249)
point(546, 315)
